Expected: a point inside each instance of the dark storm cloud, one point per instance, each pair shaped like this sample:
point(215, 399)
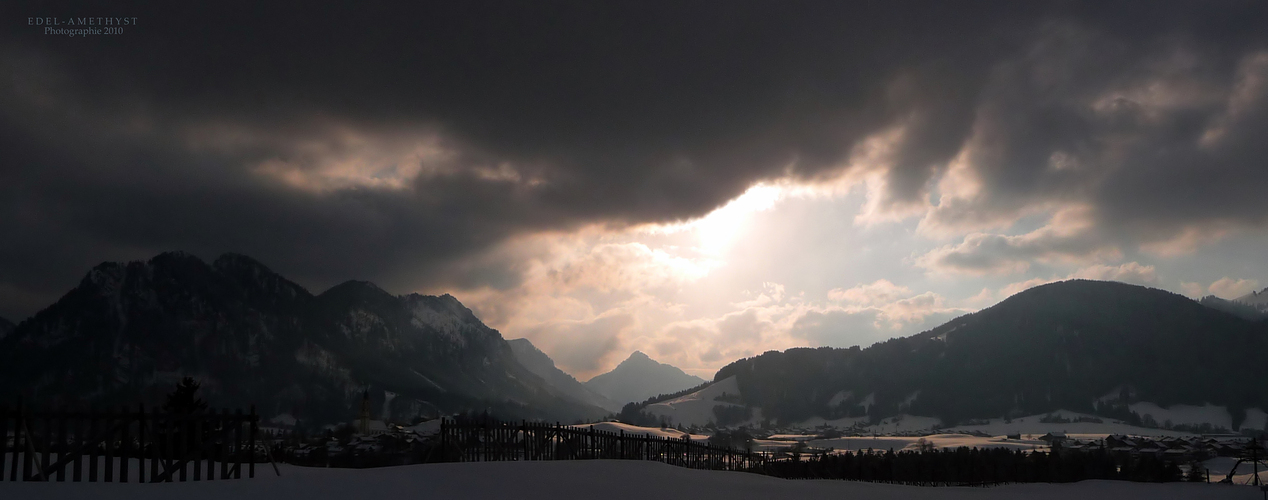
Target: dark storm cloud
point(550, 115)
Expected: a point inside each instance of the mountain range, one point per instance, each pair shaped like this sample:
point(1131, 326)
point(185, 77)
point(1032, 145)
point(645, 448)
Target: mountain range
point(1088, 346)
point(1252, 306)
point(540, 364)
point(128, 332)
point(640, 377)
point(1257, 300)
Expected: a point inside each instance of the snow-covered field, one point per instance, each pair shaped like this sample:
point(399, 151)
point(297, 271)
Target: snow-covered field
point(1033, 425)
point(589, 480)
point(952, 441)
point(635, 430)
point(1220, 467)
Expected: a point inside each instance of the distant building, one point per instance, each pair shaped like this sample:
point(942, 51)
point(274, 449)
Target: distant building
point(1053, 438)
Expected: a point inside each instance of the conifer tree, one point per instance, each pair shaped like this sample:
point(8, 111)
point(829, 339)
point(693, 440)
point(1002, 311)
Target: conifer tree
point(184, 399)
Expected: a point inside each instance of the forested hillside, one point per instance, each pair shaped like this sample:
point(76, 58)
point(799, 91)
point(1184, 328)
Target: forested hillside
point(1087, 346)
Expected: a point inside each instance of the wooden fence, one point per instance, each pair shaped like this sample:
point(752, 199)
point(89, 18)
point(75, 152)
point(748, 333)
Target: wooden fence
point(490, 440)
point(121, 444)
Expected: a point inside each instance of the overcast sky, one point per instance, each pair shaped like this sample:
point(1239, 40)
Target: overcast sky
point(701, 181)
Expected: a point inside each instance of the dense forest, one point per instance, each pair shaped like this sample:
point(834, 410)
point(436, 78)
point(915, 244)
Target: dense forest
point(1087, 346)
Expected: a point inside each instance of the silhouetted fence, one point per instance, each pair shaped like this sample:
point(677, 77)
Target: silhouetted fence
point(125, 445)
point(490, 440)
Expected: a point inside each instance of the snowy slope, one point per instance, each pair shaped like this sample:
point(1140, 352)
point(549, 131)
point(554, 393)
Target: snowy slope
point(1217, 416)
point(588, 480)
point(697, 408)
point(618, 427)
point(1256, 419)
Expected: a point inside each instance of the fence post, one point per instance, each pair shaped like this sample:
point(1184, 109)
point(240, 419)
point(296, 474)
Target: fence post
point(209, 422)
point(197, 459)
point(61, 444)
point(48, 443)
point(251, 442)
point(156, 440)
point(237, 444)
point(125, 444)
point(168, 432)
point(19, 424)
point(92, 452)
point(140, 443)
point(76, 473)
point(182, 445)
point(109, 430)
point(4, 438)
point(222, 443)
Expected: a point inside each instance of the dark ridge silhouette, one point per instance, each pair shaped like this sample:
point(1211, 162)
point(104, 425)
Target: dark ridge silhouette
point(1065, 345)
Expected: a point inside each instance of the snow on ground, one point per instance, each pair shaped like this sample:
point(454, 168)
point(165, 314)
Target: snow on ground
point(588, 480)
point(904, 424)
point(426, 428)
point(1220, 466)
point(1033, 425)
point(840, 397)
point(792, 437)
point(911, 443)
point(1185, 414)
point(839, 423)
point(898, 424)
point(697, 408)
point(868, 402)
point(1256, 419)
point(619, 427)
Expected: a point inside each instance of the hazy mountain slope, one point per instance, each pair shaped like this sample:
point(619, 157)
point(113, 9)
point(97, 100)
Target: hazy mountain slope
point(540, 364)
point(1236, 308)
point(5, 327)
point(1258, 300)
point(1081, 345)
point(640, 377)
point(129, 331)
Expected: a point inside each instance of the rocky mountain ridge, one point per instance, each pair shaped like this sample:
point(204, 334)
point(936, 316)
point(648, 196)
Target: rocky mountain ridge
point(540, 364)
point(640, 377)
point(129, 331)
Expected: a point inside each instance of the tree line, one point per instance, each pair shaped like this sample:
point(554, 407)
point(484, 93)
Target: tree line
point(973, 466)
